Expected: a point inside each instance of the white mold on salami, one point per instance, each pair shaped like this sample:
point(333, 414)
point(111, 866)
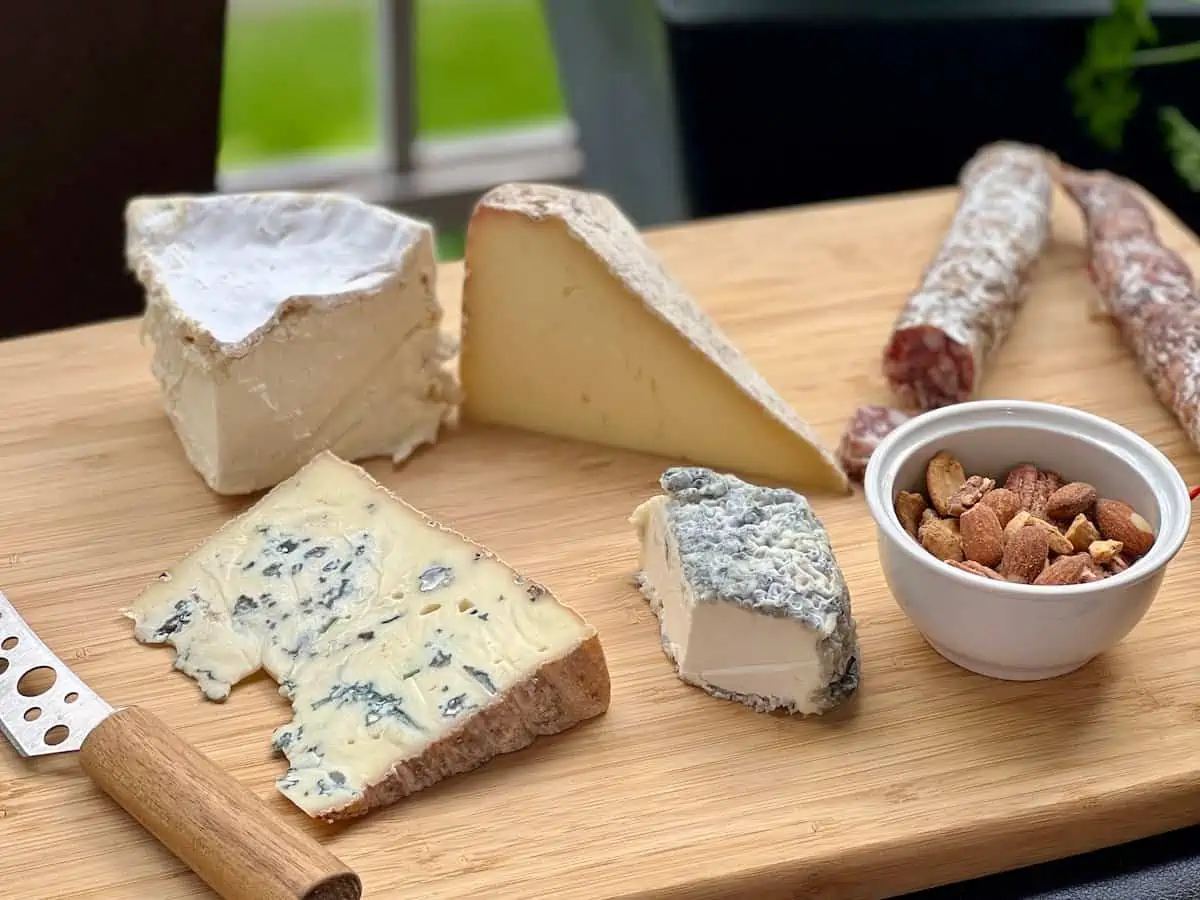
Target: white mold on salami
point(972, 290)
point(1146, 288)
point(1134, 272)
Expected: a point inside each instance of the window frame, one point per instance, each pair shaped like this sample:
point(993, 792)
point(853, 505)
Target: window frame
point(436, 179)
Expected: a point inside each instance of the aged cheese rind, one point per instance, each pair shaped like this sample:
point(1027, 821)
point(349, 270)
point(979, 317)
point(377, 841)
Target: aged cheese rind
point(408, 652)
point(751, 603)
point(572, 327)
point(287, 323)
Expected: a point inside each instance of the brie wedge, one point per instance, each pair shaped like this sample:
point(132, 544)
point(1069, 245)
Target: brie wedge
point(288, 323)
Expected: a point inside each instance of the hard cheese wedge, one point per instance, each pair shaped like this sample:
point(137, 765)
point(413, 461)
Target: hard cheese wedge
point(572, 328)
point(751, 603)
point(408, 652)
point(288, 323)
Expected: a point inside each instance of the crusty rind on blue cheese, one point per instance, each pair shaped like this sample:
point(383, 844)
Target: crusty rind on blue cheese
point(409, 652)
point(713, 541)
point(286, 323)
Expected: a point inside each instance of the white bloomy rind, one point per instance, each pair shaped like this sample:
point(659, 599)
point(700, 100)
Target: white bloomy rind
point(288, 323)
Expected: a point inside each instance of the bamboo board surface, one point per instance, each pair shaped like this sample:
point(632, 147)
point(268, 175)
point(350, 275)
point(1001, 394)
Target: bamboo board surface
point(932, 775)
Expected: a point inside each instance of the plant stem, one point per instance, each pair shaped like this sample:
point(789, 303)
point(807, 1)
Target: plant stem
point(1165, 56)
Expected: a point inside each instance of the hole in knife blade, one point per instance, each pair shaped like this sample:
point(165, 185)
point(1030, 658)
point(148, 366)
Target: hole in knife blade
point(8, 643)
point(36, 681)
point(71, 697)
point(32, 714)
point(56, 735)
point(3, 665)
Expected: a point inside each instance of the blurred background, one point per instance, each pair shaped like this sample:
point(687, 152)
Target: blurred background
point(321, 91)
point(680, 109)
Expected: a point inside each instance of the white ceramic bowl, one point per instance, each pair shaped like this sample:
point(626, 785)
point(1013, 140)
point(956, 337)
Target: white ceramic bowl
point(1015, 631)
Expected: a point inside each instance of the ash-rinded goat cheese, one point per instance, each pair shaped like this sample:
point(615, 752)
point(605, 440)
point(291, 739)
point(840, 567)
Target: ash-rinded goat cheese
point(409, 653)
point(751, 602)
point(289, 323)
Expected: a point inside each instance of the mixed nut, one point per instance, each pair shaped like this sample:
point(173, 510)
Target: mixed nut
point(1035, 528)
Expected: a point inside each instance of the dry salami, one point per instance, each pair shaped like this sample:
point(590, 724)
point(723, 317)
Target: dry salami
point(1146, 288)
point(1132, 269)
point(972, 290)
point(868, 426)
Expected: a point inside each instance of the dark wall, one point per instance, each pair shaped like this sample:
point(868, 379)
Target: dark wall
point(781, 113)
point(100, 100)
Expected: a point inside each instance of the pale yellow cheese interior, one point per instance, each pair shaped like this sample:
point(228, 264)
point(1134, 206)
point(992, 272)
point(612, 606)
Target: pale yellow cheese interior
point(386, 630)
point(556, 343)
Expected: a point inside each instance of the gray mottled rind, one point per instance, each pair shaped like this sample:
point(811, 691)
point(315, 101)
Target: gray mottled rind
point(764, 549)
point(761, 548)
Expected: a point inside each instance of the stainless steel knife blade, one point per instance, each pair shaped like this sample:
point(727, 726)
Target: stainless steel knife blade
point(54, 720)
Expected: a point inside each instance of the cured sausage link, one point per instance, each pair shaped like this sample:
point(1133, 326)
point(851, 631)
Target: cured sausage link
point(1134, 273)
point(972, 290)
point(867, 427)
point(1146, 288)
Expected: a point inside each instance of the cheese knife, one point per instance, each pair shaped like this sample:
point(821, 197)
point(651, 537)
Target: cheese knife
point(223, 831)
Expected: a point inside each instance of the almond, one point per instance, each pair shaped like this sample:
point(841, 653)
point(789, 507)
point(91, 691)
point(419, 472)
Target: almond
point(1055, 539)
point(1070, 500)
point(1025, 555)
point(1004, 504)
point(972, 566)
point(1033, 487)
point(1104, 551)
point(1118, 521)
point(972, 491)
point(940, 536)
point(982, 536)
point(1065, 570)
point(943, 477)
point(1081, 532)
point(1015, 524)
point(909, 507)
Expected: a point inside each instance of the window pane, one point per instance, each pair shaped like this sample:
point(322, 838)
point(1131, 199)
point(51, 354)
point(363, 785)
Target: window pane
point(301, 77)
point(483, 64)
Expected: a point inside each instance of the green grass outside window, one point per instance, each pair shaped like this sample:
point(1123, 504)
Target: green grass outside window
point(302, 79)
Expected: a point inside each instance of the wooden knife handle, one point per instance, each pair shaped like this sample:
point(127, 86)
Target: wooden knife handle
point(223, 831)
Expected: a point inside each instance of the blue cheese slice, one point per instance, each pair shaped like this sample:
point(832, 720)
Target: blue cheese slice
point(288, 323)
point(408, 652)
point(751, 603)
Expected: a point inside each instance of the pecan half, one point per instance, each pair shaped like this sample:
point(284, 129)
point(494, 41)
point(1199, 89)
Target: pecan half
point(972, 491)
point(1033, 487)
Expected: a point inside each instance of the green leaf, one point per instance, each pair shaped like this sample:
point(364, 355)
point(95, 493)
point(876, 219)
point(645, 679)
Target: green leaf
point(1106, 102)
point(1102, 87)
point(1183, 143)
point(1137, 12)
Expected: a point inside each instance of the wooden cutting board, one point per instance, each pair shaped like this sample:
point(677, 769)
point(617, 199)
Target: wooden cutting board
point(933, 775)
